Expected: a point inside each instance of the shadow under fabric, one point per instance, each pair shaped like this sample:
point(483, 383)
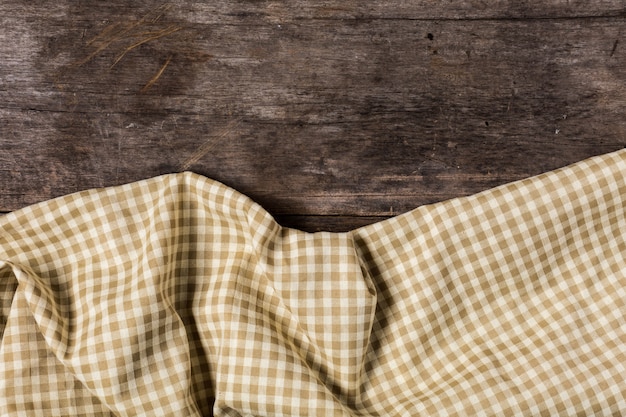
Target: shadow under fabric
point(178, 296)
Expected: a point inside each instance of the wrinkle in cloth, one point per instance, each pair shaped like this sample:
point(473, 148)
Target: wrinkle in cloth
point(178, 296)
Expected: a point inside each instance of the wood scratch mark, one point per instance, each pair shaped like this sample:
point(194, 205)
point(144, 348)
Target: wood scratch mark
point(162, 9)
point(105, 38)
point(614, 47)
point(156, 76)
point(167, 31)
point(133, 31)
point(210, 143)
point(104, 33)
point(129, 26)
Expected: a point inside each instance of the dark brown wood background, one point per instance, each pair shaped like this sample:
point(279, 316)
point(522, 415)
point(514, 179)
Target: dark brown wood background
point(331, 114)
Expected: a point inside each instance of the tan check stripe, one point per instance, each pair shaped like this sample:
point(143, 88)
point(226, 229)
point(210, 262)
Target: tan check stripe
point(178, 296)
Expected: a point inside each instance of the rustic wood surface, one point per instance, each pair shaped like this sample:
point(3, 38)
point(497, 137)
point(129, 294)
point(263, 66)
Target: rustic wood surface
point(331, 114)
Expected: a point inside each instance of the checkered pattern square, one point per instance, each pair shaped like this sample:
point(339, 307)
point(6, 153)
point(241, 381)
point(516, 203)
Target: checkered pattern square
point(178, 296)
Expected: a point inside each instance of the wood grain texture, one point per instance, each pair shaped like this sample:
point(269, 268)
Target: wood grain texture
point(330, 114)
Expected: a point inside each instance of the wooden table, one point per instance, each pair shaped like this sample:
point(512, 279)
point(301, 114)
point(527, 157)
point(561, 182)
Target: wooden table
point(330, 114)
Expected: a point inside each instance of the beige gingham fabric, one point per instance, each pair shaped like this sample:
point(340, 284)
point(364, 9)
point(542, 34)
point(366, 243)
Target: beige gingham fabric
point(178, 296)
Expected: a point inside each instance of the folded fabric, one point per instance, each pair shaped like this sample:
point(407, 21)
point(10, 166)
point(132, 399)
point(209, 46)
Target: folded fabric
point(178, 296)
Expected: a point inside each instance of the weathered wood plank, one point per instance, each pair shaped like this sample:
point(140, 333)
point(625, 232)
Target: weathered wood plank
point(329, 109)
point(278, 12)
point(334, 223)
point(230, 12)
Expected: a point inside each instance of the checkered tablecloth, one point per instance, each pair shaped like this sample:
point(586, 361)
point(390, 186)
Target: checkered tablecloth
point(178, 296)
